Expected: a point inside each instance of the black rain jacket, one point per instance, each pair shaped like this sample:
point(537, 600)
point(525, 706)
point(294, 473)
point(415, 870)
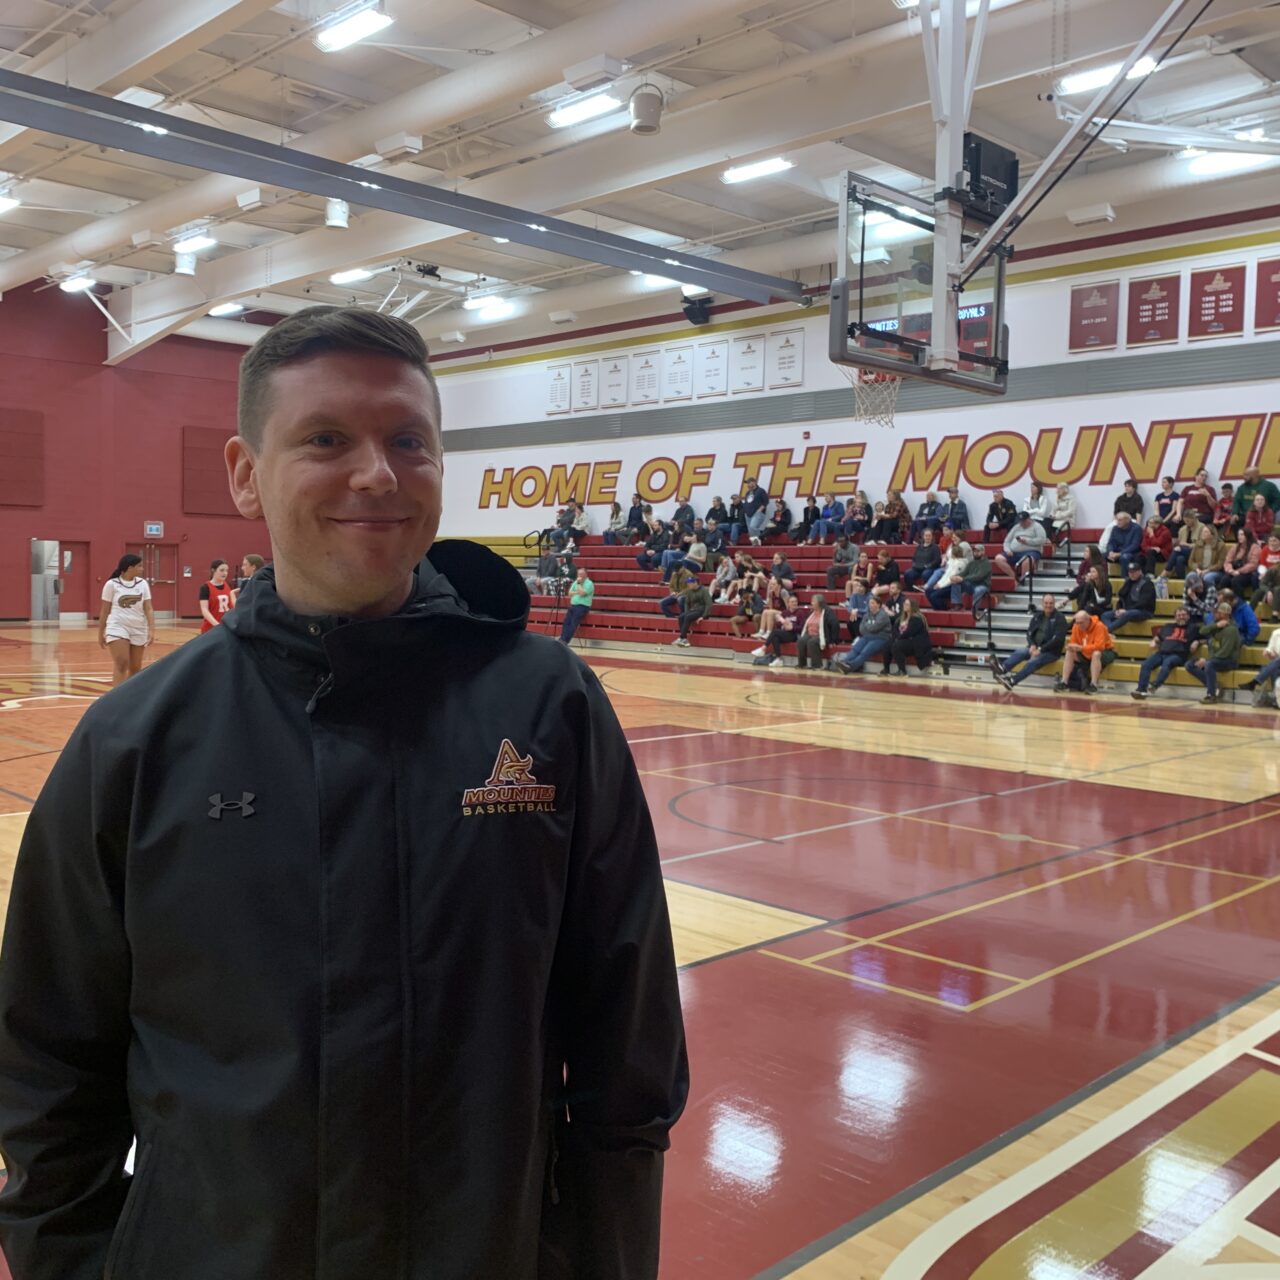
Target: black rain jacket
point(359, 926)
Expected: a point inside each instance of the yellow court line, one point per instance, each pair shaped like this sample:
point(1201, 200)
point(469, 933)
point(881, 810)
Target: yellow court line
point(924, 955)
point(1191, 866)
point(868, 982)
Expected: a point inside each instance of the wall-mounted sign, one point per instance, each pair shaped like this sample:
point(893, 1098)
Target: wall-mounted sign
point(746, 364)
point(613, 382)
point(677, 373)
point(1095, 317)
point(1217, 302)
point(711, 369)
point(785, 360)
point(1153, 310)
point(153, 528)
point(559, 388)
point(1266, 311)
point(646, 376)
point(586, 385)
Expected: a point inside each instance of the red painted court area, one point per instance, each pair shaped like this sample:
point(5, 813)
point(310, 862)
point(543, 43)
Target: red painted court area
point(991, 946)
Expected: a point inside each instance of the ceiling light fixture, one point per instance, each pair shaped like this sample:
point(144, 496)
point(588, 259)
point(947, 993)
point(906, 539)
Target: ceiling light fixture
point(351, 23)
point(694, 290)
point(577, 110)
point(501, 240)
point(337, 213)
point(1256, 134)
point(226, 309)
point(195, 244)
point(495, 309)
point(476, 304)
point(77, 284)
point(760, 169)
point(659, 282)
point(1217, 163)
point(1088, 81)
point(351, 276)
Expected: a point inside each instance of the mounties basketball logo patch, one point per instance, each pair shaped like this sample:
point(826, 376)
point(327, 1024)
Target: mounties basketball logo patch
point(510, 787)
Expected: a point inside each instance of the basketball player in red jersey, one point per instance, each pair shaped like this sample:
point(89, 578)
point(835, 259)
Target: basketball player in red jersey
point(216, 597)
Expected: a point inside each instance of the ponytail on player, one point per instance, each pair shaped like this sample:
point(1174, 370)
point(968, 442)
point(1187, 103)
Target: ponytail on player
point(126, 562)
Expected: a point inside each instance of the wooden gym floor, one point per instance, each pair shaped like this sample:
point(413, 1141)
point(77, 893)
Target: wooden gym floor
point(975, 987)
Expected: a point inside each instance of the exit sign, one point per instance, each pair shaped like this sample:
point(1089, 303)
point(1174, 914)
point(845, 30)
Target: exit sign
point(153, 529)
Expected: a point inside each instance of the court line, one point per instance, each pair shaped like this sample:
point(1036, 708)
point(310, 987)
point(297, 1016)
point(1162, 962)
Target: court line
point(17, 795)
point(770, 755)
point(1265, 1056)
point(867, 982)
point(924, 955)
point(711, 733)
point(25, 813)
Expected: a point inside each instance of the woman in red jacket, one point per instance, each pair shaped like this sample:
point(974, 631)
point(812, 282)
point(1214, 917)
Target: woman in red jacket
point(1260, 519)
point(1157, 544)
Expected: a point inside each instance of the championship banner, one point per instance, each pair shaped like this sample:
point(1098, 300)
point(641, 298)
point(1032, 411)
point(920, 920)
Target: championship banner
point(1217, 303)
point(1153, 310)
point(1095, 317)
point(1266, 309)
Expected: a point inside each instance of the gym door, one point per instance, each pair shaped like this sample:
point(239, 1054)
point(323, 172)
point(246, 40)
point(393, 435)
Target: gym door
point(160, 568)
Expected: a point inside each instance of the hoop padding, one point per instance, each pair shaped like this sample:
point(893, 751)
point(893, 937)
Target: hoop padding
point(875, 394)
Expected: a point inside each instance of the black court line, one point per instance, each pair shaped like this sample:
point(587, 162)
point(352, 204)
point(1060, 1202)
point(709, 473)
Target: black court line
point(963, 1163)
point(17, 795)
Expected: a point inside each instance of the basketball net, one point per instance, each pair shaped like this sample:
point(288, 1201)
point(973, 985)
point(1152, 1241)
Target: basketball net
point(875, 394)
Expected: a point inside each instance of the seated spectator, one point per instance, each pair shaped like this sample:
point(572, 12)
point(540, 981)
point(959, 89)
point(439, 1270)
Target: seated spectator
point(843, 558)
point(955, 512)
point(680, 579)
point(892, 600)
point(1240, 569)
point(1208, 554)
point(1260, 519)
point(1088, 642)
point(886, 571)
point(749, 608)
point(1002, 515)
point(928, 516)
point(695, 604)
point(1023, 547)
point(581, 594)
point(1224, 513)
point(857, 596)
point(718, 512)
point(713, 538)
point(1223, 639)
point(682, 517)
point(1169, 506)
point(1125, 542)
point(615, 532)
point(858, 516)
point(937, 587)
point(553, 574)
point(775, 604)
point(818, 630)
point(779, 520)
point(1038, 507)
point(810, 514)
point(737, 521)
point(657, 541)
point(1063, 516)
point(1130, 502)
point(1046, 636)
point(581, 524)
point(563, 529)
point(696, 553)
point(1188, 534)
point(925, 561)
point(1171, 647)
point(1195, 596)
point(750, 574)
point(1199, 496)
point(864, 569)
point(1263, 685)
point(875, 635)
point(830, 519)
point(726, 574)
point(1246, 621)
point(1268, 576)
point(975, 582)
point(785, 629)
point(881, 529)
point(911, 640)
point(1092, 556)
point(1250, 487)
point(1157, 545)
point(1136, 601)
point(637, 520)
point(895, 512)
point(1093, 595)
point(781, 569)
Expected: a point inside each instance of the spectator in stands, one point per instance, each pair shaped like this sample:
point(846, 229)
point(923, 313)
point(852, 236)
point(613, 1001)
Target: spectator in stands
point(581, 594)
point(713, 537)
point(880, 530)
point(1195, 596)
point(695, 604)
point(695, 554)
point(911, 639)
point(928, 516)
point(781, 570)
point(636, 520)
point(726, 576)
point(864, 569)
point(1136, 601)
point(895, 510)
point(1188, 535)
point(975, 581)
point(1125, 543)
point(937, 588)
point(886, 571)
point(1171, 647)
point(1252, 485)
point(818, 630)
point(1046, 636)
point(1157, 545)
point(718, 512)
point(1063, 516)
point(1092, 556)
point(1088, 642)
point(843, 557)
point(671, 604)
point(774, 601)
point(925, 561)
point(1223, 654)
point(810, 514)
point(749, 608)
point(875, 635)
point(580, 526)
point(1129, 501)
point(1224, 513)
point(749, 574)
point(552, 573)
point(1240, 569)
point(682, 517)
point(784, 630)
point(737, 520)
point(657, 541)
point(955, 512)
point(858, 514)
point(857, 595)
point(830, 519)
point(892, 599)
point(1246, 621)
point(1093, 595)
point(1268, 591)
point(615, 532)
point(1038, 507)
point(1169, 505)
point(1199, 496)
point(563, 529)
point(1002, 515)
point(779, 520)
point(1208, 554)
point(1260, 519)
point(1265, 680)
point(1023, 547)
point(755, 506)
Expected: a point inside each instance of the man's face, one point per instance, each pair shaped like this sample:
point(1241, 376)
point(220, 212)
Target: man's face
point(1182, 617)
point(1252, 475)
point(1048, 604)
point(874, 604)
point(928, 536)
point(246, 569)
point(1081, 620)
point(998, 496)
point(1122, 518)
point(348, 477)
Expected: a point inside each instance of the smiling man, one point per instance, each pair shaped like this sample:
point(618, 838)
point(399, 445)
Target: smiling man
point(372, 958)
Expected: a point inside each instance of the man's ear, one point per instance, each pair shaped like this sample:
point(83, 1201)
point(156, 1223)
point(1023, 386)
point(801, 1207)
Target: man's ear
point(242, 477)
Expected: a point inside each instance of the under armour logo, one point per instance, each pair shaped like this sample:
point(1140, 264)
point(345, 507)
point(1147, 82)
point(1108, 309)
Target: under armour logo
point(243, 806)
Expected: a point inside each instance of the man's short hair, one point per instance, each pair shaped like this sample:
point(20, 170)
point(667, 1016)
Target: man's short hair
point(254, 559)
point(322, 331)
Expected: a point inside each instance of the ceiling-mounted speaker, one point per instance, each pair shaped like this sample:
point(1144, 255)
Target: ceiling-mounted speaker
point(646, 110)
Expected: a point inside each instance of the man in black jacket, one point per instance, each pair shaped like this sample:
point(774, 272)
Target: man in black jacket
point(924, 560)
point(1046, 636)
point(1171, 646)
point(372, 957)
point(1137, 600)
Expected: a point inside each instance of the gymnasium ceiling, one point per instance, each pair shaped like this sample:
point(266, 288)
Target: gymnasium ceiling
point(827, 84)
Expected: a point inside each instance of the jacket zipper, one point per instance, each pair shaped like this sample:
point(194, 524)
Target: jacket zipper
point(321, 689)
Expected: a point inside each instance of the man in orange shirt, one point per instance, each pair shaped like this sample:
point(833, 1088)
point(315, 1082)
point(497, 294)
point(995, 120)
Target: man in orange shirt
point(1088, 641)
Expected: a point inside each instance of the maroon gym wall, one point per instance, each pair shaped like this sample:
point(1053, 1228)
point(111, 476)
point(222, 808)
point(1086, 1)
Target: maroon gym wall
point(113, 445)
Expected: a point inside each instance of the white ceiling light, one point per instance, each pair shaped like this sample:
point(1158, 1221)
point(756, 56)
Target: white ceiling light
point(351, 276)
point(77, 284)
point(495, 309)
point(659, 282)
point(501, 240)
point(350, 23)
point(8, 202)
point(1088, 81)
point(694, 290)
point(580, 109)
point(195, 244)
point(761, 169)
point(1223, 162)
point(476, 304)
point(1257, 134)
point(184, 264)
point(226, 309)
point(337, 213)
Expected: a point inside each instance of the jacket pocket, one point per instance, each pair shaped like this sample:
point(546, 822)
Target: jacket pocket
point(126, 1228)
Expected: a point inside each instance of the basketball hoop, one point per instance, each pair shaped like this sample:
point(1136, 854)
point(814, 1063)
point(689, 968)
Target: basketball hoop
point(875, 394)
